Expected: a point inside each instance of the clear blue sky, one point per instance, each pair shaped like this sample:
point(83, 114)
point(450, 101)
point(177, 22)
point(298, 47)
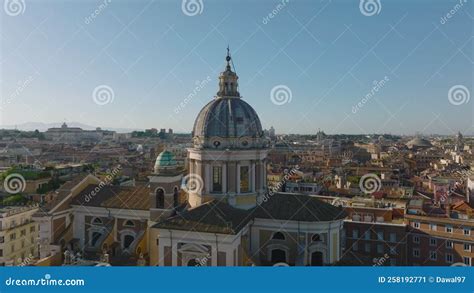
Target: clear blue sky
point(327, 52)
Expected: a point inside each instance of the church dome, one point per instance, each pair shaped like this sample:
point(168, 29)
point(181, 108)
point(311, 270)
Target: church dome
point(165, 161)
point(418, 142)
point(228, 122)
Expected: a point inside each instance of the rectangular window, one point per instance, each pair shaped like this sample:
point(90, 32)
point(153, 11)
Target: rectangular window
point(32, 229)
point(367, 247)
point(380, 235)
point(467, 247)
point(433, 255)
point(367, 235)
point(467, 231)
point(416, 239)
point(355, 233)
point(449, 258)
point(217, 178)
point(13, 236)
point(449, 229)
point(449, 244)
point(433, 227)
point(466, 260)
point(2, 239)
point(355, 247)
point(393, 250)
point(379, 248)
point(416, 225)
point(393, 237)
point(416, 252)
point(244, 179)
point(433, 241)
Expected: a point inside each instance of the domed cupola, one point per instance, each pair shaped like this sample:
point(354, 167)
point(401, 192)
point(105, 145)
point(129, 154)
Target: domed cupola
point(165, 162)
point(228, 122)
point(228, 159)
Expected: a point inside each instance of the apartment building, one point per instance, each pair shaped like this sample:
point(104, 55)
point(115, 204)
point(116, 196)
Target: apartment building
point(18, 235)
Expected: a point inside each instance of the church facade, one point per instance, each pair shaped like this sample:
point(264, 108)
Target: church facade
point(218, 213)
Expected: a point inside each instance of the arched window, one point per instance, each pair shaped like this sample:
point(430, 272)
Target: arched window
point(129, 223)
point(193, 263)
point(278, 236)
point(127, 241)
point(160, 198)
point(95, 238)
point(317, 258)
point(316, 238)
point(97, 221)
point(175, 197)
point(278, 255)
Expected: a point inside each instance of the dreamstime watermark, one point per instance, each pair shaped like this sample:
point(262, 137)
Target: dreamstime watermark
point(200, 85)
point(103, 94)
point(22, 85)
point(378, 85)
point(26, 261)
point(202, 261)
point(445, 18)
point(280, 95)
point(370, 183)
point(458, 95)
point(14, 7)
point(192, 7)
point(276, 10)
point(277, 187)
point(192, 183)
point(108, 179)
point(370, 7)
point(89, 19)
point(380, 261)
point(14, 183)
point(45, 281)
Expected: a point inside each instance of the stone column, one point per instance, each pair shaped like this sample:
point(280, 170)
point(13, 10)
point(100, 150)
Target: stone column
point(237, 179)
point(207, 177)
point(224, 177)
point(252, 176)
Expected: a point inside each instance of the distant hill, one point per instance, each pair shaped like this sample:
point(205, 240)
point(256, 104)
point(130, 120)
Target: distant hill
point(31, 126)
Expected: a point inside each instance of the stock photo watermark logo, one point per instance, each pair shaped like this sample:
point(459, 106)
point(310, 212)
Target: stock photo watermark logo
point(47, 280)
point(272, 190)
point(192, 183)
point(108, 179)
point(22, 86)
point(370, 183)
point(100, 8)
point(14, 183)
point(445, 18)
point(14, 7)
point(380, 261)
point(458, 95)
point(278, 8)
point(103, 95)
point(370, 7)
point(192, 7)
point(200, 85)
point(378, 85)
point(280, 95)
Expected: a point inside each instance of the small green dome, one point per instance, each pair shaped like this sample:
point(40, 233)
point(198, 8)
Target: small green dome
point(164, 161)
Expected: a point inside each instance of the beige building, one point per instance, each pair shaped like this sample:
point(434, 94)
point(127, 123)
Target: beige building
point(18, 235)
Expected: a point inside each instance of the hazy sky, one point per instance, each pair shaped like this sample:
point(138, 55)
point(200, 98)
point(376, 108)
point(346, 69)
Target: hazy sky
point(152, 55)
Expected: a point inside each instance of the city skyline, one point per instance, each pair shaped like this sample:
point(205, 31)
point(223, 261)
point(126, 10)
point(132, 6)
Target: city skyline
point(158, 66)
